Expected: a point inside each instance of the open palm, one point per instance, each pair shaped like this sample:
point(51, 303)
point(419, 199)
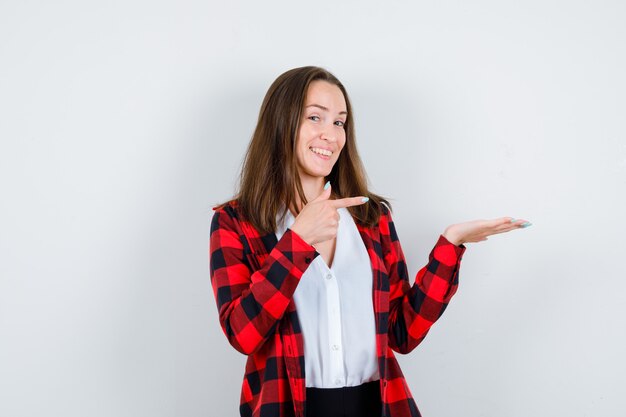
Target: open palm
point(478, 230)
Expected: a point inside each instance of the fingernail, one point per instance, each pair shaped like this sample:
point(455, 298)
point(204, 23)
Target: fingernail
point(526, 224)
point(365, 199)
point(327, 185)
point(513, 220)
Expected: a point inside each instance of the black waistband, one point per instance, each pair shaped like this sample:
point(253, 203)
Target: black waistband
point(362, 400)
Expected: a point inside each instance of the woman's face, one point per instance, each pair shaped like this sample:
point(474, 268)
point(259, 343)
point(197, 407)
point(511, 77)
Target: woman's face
point(321, 136)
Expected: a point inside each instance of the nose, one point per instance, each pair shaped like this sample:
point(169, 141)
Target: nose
point(328, 134)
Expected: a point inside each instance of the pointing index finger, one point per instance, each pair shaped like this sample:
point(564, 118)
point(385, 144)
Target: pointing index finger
point(348, 201)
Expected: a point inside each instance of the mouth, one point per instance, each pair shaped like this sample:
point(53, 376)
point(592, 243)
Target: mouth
point(321, 153)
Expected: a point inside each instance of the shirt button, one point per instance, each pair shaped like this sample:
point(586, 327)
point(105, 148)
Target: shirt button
point(329, 276)
point(335, 347)
point(337, 381)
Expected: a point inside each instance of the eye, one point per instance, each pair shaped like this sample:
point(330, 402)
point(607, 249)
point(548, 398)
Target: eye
point(340, 123)
point(314, 118)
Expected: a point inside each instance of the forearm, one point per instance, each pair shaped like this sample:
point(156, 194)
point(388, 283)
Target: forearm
point(420, 305)
point(251, 304)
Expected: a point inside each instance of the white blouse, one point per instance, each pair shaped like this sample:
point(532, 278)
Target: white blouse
point(336, 311)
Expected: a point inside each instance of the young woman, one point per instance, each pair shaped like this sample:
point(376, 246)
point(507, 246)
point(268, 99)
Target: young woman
point(307, 269)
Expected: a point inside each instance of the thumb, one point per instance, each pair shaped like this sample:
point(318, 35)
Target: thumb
point(324, 195)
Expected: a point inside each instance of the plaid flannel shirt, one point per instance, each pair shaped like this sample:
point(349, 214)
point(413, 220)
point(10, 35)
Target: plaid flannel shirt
point(254, 277)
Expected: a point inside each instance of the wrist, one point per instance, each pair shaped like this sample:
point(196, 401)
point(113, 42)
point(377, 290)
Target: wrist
point(452, 237)
point(297, 232)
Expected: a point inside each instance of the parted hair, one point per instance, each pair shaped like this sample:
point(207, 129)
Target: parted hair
point(269, 178)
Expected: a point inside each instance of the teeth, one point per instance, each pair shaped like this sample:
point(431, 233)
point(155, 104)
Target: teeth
point(321, 151)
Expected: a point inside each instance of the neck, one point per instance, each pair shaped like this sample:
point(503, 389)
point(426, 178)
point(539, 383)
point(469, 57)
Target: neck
point(312, 187)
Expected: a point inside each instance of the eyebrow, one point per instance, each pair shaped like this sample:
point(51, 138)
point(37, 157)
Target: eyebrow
point(324, 108)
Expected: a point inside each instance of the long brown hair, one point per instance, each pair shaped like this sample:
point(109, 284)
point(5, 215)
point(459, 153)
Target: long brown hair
point(269, 177)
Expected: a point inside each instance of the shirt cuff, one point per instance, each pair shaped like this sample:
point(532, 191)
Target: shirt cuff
point(301, 253)
point(447, 252)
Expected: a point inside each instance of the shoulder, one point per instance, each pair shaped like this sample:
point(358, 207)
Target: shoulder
point(384, 209)
point(386, 224)
point(230, 203)
point(229, 207)
point(385, 214)
point(225, 215)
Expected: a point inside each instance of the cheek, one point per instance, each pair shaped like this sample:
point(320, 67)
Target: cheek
point(304, 136)
point(342, 141)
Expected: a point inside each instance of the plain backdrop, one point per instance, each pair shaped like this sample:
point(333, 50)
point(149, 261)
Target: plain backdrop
point(123, 122)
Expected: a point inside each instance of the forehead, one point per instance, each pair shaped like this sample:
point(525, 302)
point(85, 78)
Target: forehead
point(325, 94)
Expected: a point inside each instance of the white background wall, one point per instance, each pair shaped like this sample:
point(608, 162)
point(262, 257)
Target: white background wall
point(123, 122)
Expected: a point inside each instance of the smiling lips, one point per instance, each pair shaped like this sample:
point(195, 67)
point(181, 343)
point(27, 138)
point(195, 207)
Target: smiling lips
point(322, 153)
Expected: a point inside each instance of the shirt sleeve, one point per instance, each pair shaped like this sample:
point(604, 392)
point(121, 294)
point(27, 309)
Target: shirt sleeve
point(414, 308)
point(252, 302)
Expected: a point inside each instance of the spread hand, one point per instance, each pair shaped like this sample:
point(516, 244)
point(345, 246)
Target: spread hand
point(478, 230)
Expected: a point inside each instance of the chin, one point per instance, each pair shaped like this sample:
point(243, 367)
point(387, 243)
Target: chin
point(317, 174)
point(317, 171)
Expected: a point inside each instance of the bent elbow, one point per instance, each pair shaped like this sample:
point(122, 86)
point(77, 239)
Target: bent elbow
point(245, 346)
point(403, 340)
point(406, 347)
point(246, 349)
point(246, 341)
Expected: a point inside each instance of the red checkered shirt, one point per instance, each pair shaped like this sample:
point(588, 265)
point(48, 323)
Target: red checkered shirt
point(254, 277)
